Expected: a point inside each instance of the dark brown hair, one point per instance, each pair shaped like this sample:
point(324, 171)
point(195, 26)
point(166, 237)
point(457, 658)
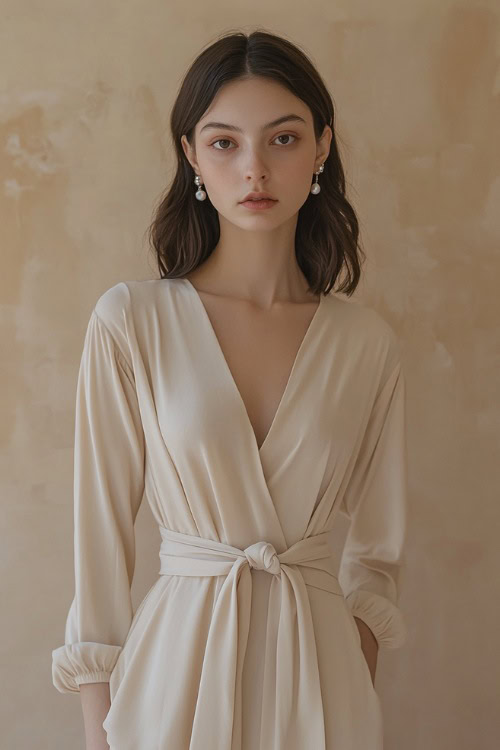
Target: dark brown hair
point(185, 231)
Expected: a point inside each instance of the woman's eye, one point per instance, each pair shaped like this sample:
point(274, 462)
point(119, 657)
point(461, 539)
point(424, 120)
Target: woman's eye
point(221, 140)
point(285, 135)
point(226, 140)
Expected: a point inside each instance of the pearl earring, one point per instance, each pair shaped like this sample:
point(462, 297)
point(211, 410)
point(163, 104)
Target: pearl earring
point(315, 187)
point(200, 194)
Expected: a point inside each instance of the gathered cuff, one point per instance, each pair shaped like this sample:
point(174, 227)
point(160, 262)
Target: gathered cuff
point(78, 663)
point(382, 616)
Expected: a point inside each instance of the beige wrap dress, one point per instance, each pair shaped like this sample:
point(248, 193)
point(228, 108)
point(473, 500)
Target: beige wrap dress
point(247, 639)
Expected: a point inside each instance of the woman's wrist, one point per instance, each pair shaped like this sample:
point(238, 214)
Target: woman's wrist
point(96, 702)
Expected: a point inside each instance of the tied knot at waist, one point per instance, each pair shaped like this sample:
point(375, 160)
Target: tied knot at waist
point(189, 555)
point(263, 556)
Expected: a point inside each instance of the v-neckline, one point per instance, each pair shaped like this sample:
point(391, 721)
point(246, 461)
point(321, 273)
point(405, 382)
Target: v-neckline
point(291, 376)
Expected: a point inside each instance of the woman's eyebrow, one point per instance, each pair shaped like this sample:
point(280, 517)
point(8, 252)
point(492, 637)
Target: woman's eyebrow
point(273, 124)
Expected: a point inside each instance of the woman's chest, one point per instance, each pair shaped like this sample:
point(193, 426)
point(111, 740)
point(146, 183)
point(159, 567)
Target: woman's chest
point(258, 349)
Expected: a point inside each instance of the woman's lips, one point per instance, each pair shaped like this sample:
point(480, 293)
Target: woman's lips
point(258, 205)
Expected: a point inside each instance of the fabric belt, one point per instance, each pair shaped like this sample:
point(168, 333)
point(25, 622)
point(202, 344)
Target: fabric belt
point(292, 708)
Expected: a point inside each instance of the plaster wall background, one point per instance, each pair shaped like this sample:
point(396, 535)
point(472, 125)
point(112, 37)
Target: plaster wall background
point(85, 96)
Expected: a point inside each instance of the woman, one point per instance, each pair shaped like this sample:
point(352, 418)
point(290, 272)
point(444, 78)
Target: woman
point(252, 404)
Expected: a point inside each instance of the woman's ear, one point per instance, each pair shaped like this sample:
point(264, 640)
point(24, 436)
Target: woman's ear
point(189, 152)
point(324, 145)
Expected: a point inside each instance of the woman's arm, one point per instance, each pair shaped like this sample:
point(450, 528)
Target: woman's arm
point(369, 646)
point(96, 702)
point(375, 501)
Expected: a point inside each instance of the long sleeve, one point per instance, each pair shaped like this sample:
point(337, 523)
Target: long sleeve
point(375, 501)
point(108, 490)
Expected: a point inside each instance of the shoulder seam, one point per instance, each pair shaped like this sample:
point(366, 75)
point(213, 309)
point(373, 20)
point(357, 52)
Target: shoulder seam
point(128, 367)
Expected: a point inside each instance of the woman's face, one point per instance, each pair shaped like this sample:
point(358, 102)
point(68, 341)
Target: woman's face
point(248, 156)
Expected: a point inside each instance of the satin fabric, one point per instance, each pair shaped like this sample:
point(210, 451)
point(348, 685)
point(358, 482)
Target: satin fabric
point(247, 639)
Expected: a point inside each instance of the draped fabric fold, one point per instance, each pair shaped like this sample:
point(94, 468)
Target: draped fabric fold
point(292, 693)
point(384, 618)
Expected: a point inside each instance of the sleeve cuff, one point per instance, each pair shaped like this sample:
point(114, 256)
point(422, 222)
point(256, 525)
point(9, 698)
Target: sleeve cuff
point(78, 663)
point(382, 617)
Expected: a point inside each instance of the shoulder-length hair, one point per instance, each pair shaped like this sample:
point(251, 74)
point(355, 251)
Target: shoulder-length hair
point(185, 231)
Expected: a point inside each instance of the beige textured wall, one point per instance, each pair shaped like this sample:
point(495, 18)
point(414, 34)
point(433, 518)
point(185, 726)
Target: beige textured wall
point(87, 89)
